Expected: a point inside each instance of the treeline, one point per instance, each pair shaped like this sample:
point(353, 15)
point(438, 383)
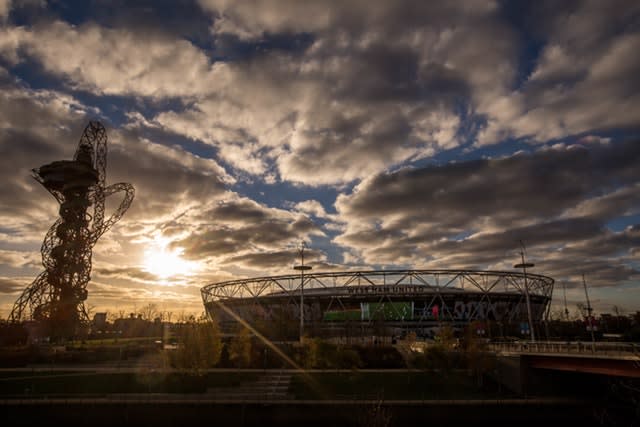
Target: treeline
point(200, 346)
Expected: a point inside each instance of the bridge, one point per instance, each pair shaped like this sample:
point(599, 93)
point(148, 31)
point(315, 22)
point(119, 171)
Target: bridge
point(604, 358)
point(526, 366)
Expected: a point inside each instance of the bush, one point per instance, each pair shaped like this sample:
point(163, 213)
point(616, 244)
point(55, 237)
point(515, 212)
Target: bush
point(331, 356)
point(240, 349)
point(199, 346)
point(380, 357)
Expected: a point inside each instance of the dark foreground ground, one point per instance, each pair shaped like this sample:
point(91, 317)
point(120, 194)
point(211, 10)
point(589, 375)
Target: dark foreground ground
point(178, 411)
point(134, 397)
point(136, 391)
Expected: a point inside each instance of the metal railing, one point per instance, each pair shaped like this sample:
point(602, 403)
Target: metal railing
point(568, 347)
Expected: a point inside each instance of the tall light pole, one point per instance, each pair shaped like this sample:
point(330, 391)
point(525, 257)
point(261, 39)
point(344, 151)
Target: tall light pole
point(302, 269)
point(589, 309)
point(524, 266)
point(566, 310)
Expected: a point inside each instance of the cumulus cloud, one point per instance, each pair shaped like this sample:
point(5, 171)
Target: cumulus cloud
point(387, 78)
point(241, 229)
point(41, 126)
point(384, 79)
point(33, 126)
point(231, 98)
point(18, 259)
point(12, 285)
point(312, 207)
point(5, 8)
point(182, 178)
point(584, 78)
point(116, 61)
point(473, 214)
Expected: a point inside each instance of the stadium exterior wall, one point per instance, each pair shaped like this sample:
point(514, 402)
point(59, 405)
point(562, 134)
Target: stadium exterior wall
point(378, 302)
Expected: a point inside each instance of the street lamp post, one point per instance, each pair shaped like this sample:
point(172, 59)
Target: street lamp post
point(302, 268)
point(524, 266)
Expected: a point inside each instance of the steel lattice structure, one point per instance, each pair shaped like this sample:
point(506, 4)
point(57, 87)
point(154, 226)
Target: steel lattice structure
point(57, 295)
point(460, 296)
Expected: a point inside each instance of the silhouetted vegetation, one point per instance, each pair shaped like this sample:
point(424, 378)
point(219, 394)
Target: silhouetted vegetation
point(240, 349)
point(199, 346)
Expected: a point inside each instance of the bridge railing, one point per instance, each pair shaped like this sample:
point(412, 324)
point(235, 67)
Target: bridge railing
point(568, 347)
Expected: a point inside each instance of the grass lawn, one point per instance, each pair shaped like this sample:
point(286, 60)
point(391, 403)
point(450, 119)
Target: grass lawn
point(389, 386)
point(49, 383)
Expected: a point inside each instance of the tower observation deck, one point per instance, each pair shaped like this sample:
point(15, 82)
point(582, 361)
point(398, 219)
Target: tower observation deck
point(55, 299)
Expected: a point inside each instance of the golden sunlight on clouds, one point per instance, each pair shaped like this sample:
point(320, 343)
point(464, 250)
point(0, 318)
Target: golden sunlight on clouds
point(165, 263)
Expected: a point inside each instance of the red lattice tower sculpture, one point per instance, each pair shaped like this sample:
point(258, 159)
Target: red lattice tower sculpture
point(56, 297)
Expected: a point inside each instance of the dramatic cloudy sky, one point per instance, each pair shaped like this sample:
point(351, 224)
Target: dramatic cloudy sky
point(385, 134)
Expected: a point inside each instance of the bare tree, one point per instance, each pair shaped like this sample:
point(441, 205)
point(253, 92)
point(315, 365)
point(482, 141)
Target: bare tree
point(149, 311)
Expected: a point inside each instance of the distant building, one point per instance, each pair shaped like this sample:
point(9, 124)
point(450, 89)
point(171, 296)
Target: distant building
point(99, 321)
point(136, 326)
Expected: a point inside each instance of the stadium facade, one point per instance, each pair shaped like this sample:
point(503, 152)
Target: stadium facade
point(352, 303)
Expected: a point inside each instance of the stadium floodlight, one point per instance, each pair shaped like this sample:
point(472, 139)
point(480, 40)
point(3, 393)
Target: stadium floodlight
point(524, 265)
point(302, 268)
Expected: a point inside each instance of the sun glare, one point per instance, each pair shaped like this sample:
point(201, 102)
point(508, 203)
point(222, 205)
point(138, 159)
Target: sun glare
point(164, 262)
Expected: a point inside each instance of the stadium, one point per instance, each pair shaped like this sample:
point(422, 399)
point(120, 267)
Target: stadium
point(380, 303)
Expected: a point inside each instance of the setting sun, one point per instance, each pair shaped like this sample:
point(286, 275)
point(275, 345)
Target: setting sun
point(164, 263)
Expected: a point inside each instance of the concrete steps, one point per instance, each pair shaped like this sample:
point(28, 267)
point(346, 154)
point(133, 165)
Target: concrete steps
point(270, 386)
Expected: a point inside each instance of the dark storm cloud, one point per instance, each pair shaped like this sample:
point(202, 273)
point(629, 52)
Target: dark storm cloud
point(241, 211)
point(281, 262)
point(473, 214)
point(540, 185)
point(269, 261)
point(240, 226)
point(382, 73)
point(182, 19)
point(485, 249)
